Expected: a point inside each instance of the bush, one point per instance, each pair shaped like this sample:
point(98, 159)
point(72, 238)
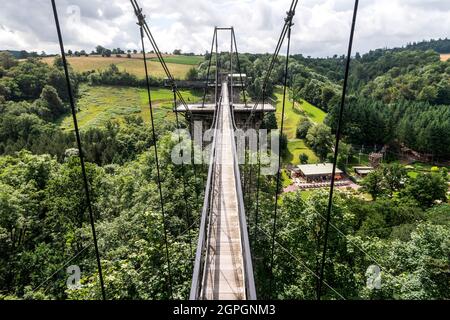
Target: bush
point(303, 127)
point(192, 74)
point(304, 158)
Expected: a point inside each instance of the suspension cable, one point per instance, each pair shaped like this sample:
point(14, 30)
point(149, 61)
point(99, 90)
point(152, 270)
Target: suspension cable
point(281, 38)
point(80, 149)
point(289, 22)
point(336, 150)
point(186, 206)
point(258, 183)
point(274, 58)
point(146, 29)
point(239, 65)
point(155, 145)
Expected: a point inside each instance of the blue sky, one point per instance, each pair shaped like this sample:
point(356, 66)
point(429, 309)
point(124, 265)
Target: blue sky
point(321, 26)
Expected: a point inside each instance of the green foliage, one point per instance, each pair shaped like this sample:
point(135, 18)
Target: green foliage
point(320, 140)
point(49, 106)
point(427, 188)
point(420, 126)
point(192, 74)
point(440, 45)
point(44, 224)
point(303, 158)
point(373, 184)
point(113, 76)
point(7, 60)
point(27, 80)
point(385, 181)
point(269, 121)
point(303, 127)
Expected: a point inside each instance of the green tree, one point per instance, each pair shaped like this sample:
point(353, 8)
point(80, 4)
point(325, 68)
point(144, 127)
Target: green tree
point(192, 74)
point(49, 104)
point(373, 184)
point(394, 176)
point(319, 138)
point(427, 188)
point(303, 127)
point(7, 60)
point(303, 158)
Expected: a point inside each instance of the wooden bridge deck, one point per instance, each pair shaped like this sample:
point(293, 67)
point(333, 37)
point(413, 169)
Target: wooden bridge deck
point(224, 269)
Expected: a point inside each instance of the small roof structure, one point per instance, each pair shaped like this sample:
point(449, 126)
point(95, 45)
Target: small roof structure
point(363, 170)
point(319, 169)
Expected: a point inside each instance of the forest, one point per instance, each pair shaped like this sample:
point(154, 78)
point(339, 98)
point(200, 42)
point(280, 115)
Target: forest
point(397, 97)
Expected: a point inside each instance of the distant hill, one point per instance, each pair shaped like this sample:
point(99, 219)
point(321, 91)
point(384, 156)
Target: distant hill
point(440, 45)
point(21, 54)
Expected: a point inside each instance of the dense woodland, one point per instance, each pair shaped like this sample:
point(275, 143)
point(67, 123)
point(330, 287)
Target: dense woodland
point(396, 97)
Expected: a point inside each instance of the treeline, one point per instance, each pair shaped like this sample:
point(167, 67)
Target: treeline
point(43, 218)
point(113, 76)
point(440, 45)
point(23, 54)
point(410, 75)
point(26, 80)
point(304, 81)
point(417, 125)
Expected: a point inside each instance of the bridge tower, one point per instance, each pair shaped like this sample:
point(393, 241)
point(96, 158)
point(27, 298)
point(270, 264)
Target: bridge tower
point(233, 75)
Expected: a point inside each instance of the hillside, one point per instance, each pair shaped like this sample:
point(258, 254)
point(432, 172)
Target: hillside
point(100, 104)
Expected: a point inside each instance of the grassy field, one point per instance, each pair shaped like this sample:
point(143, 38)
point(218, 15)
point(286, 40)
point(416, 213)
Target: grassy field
point(296, 147)
point(99, 104)
point(315, 114)
point(445, 56)
point(292, 116)
point(178, 65)
point(189, 60)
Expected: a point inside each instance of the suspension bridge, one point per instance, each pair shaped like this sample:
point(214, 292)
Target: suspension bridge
point(223, 266)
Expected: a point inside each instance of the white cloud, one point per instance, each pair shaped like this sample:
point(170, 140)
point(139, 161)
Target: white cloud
point(321, 26)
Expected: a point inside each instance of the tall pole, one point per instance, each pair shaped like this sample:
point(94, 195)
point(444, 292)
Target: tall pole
point(231, 66)
point(217, 68)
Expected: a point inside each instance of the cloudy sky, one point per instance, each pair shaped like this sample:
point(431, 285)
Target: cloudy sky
point(321, 26)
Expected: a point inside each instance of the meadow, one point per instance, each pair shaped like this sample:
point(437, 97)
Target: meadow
point(178, 65)
point(292, 115)
point(99, 104)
